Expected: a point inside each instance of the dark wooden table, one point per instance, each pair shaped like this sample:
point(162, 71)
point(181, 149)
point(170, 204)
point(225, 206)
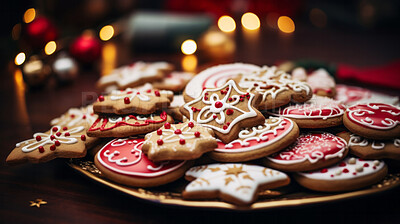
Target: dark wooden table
point(72, 198)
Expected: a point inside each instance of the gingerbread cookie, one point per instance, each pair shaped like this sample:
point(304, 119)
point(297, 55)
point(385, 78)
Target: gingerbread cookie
point(310, 152)
point(319, 80)
point(127, 125)
point(214, 77)
point(225, 110)
point(83, 116)
point(184, 141)
point(372, 149)
point(235, 183)
point(134, 75)
point(351, 95)
point(173, 108)
point(373, 120)
point(123, 161)
point(131, 101)
point(319, 112)
point(259, 141)
point(58, 142)
point(276, 87)
point(174, 81)
point(350, 174)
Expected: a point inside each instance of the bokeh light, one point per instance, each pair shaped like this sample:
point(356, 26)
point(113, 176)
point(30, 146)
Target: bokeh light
point(286, 24)
point(106, 33)
point(189, 63)
point(226, 24)
point(50, 48)
point(189, 47)
point(20, 58)
point(250, 21)
point(29, 15)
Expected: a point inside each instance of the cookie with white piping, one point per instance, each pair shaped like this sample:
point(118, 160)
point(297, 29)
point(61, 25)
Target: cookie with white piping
point(214, 77)
point(174, 81)
point(350, 174)
point(319, 112)
point(134, 75)
point(184, 141)
point(372, 149)
point(377, 121)
point(311, 151)
point(58, 142)
point(276, 87)
point(108, 125)
point(225, 110)
point(232, 182)
point(133, 101)
point(83, 116)
point(256, 142)
point(321, 83)
point(122, 161)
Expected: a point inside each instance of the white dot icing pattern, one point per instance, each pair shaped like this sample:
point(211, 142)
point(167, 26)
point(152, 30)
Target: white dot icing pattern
point(259, 134)
point(239, 181)
point(270, 81)
point(348, 169)
point(210, 110)
point(356, 140)
point(76, 116)
point(216, 76)
point(32, 144)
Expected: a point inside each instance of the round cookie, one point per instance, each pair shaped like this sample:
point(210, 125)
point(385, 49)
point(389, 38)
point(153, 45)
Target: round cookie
point(232, 182)
point(310, 152)
point(214, 77)
point(123, 161)
point(350, 174)
point(259, 141)
point(373, 120)
point(319, 112)
point(372, 149)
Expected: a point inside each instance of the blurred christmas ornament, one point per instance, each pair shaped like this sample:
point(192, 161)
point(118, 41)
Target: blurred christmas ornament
point(65, 68)
point(217, 45)
point(35, 72)
point(39, 32)
point(86, 48)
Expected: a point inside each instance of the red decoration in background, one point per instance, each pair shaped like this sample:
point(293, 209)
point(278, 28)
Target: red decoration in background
point(86, 48)
point(40, 31)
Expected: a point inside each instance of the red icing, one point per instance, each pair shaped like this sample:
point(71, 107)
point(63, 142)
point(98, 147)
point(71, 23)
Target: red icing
point(57, 143)
point(345, 170)
point(55, 129)
point(197, 134)
point(65, 128)
point(324, 170)
point(225, 127)
point(95, 126)
point(131, 150)
point(84, 117)
point(342, 164)
point(167, 125)
point(41, 149)
point(83, 137)
point(127, 100)
point(349, 94)
point(308, 145)
point(58, 134)
point(310, 110)
point(182, 141)
point(374, 115)
point(218, 104)
point(52, 147)
point(159, 132)
point(38, 138)
point(160, 142)
point(178, 131)
point(101, 98)
point(190, 124)
point(156, 92)
point(229, 112)
point(215, 116)
point(52, 137)
point(366, 165)
point(67, 134)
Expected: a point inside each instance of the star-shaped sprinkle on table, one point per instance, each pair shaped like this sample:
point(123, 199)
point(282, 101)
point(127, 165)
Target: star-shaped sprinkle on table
point(37, 203)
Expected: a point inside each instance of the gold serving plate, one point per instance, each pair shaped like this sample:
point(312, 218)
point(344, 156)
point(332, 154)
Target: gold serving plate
point(292, 195)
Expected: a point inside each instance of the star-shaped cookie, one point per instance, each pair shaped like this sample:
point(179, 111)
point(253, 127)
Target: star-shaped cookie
point(225, 110)
point(184, 141)
point(83, 116)
point(58, 142)
point(276, 87)
point(131, 101)
point(234, 183)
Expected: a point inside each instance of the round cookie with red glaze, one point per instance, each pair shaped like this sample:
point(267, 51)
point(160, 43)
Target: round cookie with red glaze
point(310, 151)
point(259, 141)
point(373, 120)
point(350, 174)
point(122, 161)
point(319, 112)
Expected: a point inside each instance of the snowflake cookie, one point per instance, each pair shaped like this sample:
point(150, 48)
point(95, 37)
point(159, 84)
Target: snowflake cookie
point(225, 110)
point(58, 142)
point(234, 183)
point(184, 141)
point(131, 101)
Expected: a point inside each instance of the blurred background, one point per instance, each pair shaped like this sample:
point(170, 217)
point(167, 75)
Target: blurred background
point(62, 39)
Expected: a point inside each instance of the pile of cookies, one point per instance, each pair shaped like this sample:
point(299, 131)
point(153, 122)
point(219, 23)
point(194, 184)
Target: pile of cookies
point(236, 130)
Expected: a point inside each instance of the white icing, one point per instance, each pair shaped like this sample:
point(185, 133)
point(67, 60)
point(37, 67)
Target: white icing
point(300, 74)
point(259, 134)
point(178, 101)
point(356, 140)
point(337, 172)
point(210, 110)
point(32, 144)
point(216, 76)
point(320, 79)
point(388, 123)
point(242, 185)
point(76, 116)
